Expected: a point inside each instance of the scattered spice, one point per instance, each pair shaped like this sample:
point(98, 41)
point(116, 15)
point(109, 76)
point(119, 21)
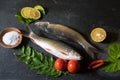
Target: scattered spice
point(11, 38)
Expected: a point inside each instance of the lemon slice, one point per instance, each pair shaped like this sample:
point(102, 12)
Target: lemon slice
point(39, 7)
point(98, 34)
point(29, 12)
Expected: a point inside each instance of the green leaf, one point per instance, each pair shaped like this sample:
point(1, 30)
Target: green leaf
point(112, 66)
point(33, 67)
point(25, 59)
point(23, 20)
point(39, 55)
point(22, 50)
point(52, 72)
point(28, 51)
point(41, 72)
point(114, 50)
point(51, 61)
point(57, 73)
point(45, 61)
point(110, 59)
point(36, 61)
point(48, 70)
point(65, 72)
point(32, 53)
point(113, 61)
point(20, 55)
point(43, 12)
point(20, 18)
point(28, 21)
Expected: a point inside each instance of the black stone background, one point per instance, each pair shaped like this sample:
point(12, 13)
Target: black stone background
point(82, 15)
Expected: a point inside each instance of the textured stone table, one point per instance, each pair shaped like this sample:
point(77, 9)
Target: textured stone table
point(81, 15)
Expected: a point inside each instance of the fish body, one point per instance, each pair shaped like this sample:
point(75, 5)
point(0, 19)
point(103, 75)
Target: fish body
point(56, 48)
point(63, 32)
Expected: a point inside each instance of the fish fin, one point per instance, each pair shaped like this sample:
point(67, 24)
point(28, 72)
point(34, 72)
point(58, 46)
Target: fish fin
point(91, 51)
point(25, 33)
point(30, 31)
point(28, 27)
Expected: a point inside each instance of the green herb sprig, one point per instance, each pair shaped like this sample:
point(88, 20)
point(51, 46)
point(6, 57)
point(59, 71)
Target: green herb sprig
point(114, 58)
point(23, 20)
point(38, 61)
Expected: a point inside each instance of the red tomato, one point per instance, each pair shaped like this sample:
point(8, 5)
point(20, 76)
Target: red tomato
point(73, 66)
point(60, 64)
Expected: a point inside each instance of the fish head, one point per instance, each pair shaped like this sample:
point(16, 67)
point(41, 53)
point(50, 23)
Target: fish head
point(43, 26)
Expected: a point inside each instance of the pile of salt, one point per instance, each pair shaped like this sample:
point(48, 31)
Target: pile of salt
point(11, 38)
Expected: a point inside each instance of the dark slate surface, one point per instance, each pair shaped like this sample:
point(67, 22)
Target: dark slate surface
point(82, 15)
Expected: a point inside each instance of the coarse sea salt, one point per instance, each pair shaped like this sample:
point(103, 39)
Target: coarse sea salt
point(11, 38)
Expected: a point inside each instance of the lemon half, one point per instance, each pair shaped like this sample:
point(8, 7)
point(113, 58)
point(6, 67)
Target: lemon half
point(29, 12)
point(98, 34)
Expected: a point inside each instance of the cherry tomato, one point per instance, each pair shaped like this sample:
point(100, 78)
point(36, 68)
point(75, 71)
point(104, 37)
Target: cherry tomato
point(60, 64)
point(73, 66)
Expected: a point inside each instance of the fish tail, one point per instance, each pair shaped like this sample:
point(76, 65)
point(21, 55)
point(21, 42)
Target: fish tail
point(28, 27)
point(30, 31)
point(91, 50)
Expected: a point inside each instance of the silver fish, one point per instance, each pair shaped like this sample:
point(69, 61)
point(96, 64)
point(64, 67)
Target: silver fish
point(56, 48)
point(63, 32)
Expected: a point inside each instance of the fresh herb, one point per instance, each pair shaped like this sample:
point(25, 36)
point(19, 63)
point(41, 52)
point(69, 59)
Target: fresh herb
point(23, 20)
point(114, 58)
point(38, 61)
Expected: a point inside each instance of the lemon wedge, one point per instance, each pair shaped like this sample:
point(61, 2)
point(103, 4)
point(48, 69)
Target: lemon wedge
point(39, 7)
point(98, 34)
point(29, 12)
